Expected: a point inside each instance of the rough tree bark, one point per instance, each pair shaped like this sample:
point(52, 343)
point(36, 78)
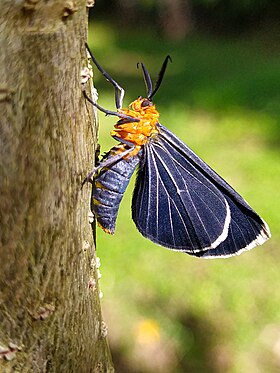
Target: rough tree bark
point(50, 318)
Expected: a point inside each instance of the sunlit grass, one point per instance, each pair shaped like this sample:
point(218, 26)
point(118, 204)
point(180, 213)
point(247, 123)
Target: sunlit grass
point(221, 98)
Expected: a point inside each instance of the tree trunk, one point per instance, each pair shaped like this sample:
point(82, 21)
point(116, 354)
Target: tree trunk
point(176, 18)
point(49, 299)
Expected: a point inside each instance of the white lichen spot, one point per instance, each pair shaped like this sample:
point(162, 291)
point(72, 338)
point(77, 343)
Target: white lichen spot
point(99, 275)
point(86, 245)
point(100, 294)
point(92, 263)
point(94, 94)
point(90, 217)
point(90, 3)
point(103, 329)
point(86, 74)
point(97, 262)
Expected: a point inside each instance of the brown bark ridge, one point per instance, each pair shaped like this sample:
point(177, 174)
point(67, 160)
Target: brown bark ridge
point(50, 318)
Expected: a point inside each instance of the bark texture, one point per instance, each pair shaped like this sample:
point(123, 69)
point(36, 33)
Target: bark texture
point(50, 318)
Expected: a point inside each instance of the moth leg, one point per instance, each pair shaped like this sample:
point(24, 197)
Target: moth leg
point(108, 162)
point(110, 112)
point(123, 141)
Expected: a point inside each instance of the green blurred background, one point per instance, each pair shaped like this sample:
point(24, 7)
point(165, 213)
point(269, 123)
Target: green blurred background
point(168, 312)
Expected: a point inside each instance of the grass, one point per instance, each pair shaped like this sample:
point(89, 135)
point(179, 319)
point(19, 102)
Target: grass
point(168, 312)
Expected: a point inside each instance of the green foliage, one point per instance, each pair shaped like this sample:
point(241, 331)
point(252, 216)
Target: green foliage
point(168, 312)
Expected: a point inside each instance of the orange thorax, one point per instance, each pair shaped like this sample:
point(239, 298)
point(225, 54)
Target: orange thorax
point(138, 132)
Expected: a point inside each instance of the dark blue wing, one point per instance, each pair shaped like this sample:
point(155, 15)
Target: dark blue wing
point(181, 203)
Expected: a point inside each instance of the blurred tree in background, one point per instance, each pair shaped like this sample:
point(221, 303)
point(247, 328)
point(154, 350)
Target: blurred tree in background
point(177, 18)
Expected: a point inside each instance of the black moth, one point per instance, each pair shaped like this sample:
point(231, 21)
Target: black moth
point(178, 202)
